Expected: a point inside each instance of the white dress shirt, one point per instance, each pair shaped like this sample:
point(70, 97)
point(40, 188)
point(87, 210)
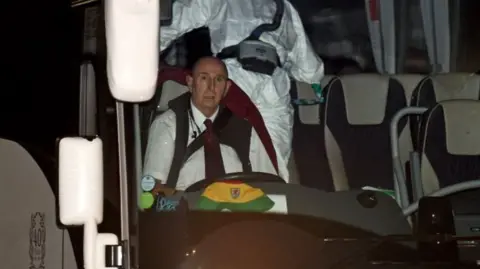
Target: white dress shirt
point(161, 147)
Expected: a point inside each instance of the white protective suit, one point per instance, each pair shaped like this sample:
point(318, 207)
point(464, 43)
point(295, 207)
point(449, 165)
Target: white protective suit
point(231, 21)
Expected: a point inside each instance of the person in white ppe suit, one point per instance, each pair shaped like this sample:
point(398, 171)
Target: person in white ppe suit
point(230, 22)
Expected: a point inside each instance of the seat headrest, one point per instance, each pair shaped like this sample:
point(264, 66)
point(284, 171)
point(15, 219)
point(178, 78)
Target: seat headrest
point(409, 82)
point(326, 79)
point(310, 114)
point(462, 126)
point(363, 91)
point(170, 91)
point(456, 86)
point(172, 81)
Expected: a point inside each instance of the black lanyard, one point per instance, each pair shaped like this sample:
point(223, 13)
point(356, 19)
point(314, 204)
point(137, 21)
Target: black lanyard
point(193, 124)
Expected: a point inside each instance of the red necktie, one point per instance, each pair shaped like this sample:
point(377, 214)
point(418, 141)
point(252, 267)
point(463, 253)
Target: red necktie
point(213, 157)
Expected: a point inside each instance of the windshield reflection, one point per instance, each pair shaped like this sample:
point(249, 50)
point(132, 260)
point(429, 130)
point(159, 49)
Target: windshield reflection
point(199, 239)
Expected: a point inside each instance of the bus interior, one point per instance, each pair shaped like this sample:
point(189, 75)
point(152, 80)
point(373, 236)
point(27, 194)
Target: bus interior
point(402, 104)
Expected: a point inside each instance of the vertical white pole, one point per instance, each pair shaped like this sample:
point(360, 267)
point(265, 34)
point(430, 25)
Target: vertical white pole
point(88, 96)
point(88, 101)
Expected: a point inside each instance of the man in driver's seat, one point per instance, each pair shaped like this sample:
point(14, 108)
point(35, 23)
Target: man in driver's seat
point(198, 138)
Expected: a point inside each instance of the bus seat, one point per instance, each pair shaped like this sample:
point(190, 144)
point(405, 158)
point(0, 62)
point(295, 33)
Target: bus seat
point(450, 149)
point(409, 83)
point(309, 114)
point(30, 235)
point(358, 112)
point(307, 146)
point(170, 91)
point(442, 87)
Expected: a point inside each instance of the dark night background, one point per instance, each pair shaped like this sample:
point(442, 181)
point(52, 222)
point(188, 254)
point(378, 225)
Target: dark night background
point(40, 43)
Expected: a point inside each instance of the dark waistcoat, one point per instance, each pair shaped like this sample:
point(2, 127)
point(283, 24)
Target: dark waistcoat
point(231, 130)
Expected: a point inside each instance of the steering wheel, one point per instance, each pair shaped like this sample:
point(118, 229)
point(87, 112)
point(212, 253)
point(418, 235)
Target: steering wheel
point(246, 177)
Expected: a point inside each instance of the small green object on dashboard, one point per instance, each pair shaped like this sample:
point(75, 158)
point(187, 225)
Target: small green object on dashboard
point(146, 200)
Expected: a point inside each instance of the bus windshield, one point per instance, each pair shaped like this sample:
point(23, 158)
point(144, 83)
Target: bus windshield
point(306, 224)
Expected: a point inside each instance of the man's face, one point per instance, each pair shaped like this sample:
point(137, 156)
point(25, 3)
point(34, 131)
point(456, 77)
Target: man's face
point(208, 84)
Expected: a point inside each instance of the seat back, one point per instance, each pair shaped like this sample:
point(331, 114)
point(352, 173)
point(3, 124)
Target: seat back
point(450, 144)
point(307, 145)
point(410, 84)
point(443, 87)
point(30, 235)
point(167, 91)
point(310, 114)
point(448, 86)
point(170, 90)
point(358, 112)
